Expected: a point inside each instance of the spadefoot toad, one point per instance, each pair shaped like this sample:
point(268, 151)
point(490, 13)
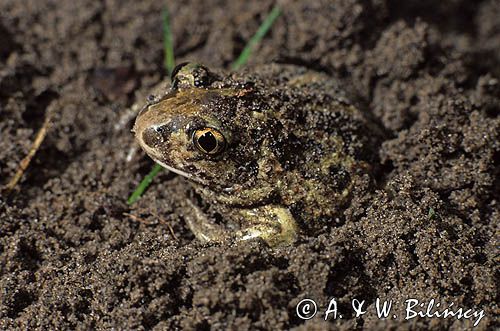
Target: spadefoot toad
point(272, 150)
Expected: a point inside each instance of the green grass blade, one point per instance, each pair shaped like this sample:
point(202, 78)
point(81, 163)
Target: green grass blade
point(144, 184)
point(257, 37)
point(168, 50)
point(168, 43)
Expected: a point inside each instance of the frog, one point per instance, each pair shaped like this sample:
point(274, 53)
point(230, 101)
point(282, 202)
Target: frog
point(274, 150)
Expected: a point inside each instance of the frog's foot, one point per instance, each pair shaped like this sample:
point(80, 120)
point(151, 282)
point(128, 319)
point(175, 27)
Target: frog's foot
point(272, 223)
point(203, 229)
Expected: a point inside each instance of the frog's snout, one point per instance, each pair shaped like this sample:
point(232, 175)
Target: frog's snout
point(155, 136)
point(151, 130)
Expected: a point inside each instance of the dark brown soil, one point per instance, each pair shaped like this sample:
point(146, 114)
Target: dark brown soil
point(71, 257)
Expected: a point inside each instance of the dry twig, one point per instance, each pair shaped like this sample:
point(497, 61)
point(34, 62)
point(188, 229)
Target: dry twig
point(23, 165)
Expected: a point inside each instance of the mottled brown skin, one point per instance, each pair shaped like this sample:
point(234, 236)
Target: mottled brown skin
point(268, 149)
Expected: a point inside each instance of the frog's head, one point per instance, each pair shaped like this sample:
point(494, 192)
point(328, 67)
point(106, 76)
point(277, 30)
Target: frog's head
point(204, 130)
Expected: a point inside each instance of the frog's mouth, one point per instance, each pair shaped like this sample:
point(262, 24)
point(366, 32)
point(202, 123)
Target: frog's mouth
point(182, 173)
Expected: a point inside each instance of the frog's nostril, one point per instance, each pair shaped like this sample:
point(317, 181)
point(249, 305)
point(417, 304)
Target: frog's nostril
point(155, 136)
point(151, 138)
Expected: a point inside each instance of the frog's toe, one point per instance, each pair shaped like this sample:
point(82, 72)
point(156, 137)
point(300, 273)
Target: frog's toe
point(272, 223)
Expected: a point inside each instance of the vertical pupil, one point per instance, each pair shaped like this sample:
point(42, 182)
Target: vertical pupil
point(207, 141)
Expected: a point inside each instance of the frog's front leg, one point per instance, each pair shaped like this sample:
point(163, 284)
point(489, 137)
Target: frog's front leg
point(273, 223)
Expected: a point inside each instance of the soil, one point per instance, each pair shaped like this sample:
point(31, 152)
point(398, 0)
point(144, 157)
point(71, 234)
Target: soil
point(74, 255)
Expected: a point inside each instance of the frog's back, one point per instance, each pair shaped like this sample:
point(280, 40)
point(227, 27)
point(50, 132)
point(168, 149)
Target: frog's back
point(324, 143)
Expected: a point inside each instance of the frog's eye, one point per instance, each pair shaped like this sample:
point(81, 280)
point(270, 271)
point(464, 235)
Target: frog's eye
point(209, 141)
point(177, 69)
point(186, 75)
